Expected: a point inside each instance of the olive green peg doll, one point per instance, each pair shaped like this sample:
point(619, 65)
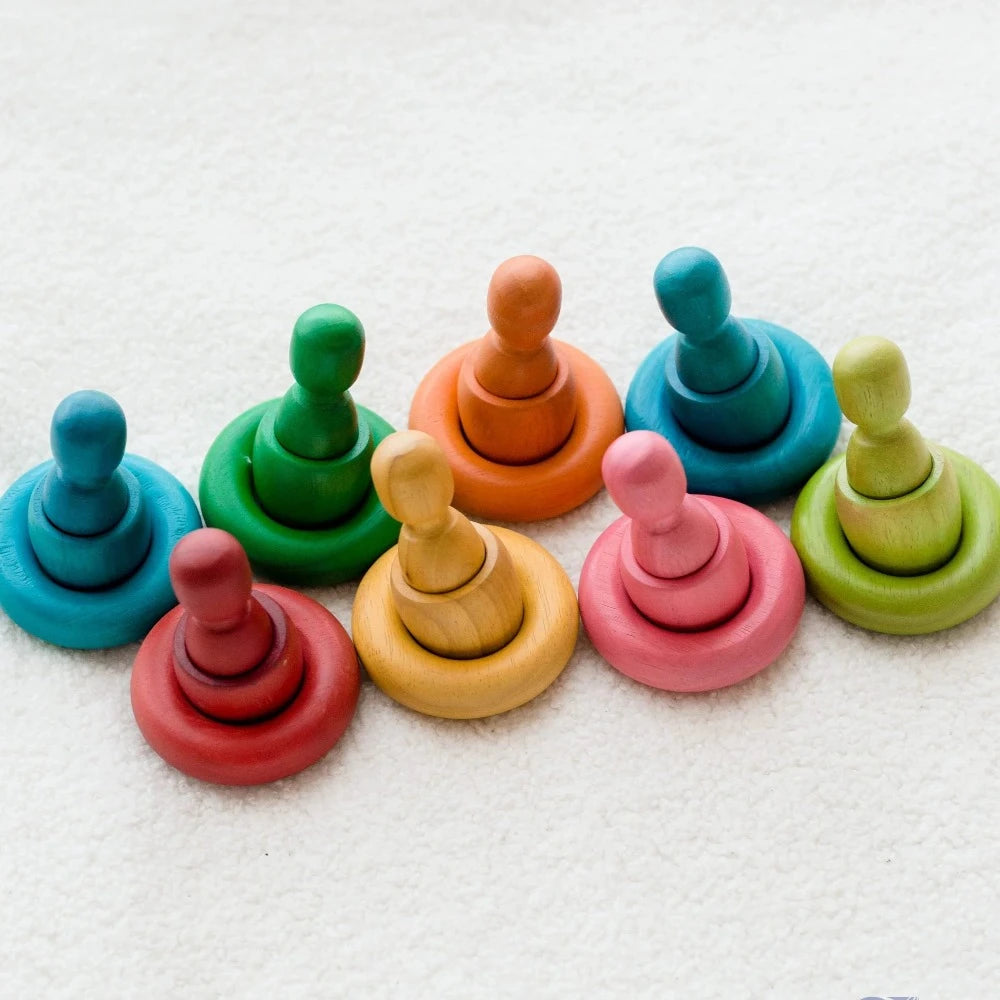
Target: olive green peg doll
point(898, 535)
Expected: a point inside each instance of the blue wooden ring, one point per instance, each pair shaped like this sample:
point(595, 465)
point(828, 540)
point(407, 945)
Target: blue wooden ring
point(92, 562)
point(93, 619)
point(901, 605)
point(317, 556)
point(757, 475)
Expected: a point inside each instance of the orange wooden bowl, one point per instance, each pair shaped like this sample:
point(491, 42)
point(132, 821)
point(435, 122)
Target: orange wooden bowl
point(532, 492)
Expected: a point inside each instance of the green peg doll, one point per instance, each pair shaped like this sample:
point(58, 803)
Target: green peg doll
point(290, 478)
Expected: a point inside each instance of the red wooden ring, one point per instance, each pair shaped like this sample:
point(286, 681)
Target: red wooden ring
point(711, 658)
point(254, 694)
point(256, 752)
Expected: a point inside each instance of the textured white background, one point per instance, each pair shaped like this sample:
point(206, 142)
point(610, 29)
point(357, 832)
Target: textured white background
point(178, 182)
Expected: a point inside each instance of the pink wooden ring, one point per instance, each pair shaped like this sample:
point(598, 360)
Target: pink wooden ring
point(711, 658)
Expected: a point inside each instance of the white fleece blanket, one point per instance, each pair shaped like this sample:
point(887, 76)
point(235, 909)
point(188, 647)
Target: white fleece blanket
point(179, 180)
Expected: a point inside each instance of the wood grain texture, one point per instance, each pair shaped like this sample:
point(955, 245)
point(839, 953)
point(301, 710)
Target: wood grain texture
point(703, 660)
point(672, 533)
point(473, 620)
point(317, 418)
point(516, 395)
point(475, 688)
point(682, 563)
point(726, 383)
point(516, 359)
point(714, 352)
point(93, 619)
point(897, 499)
point(258, 693)
point(93, 562)
point(227, 632)
point(453, 583)
point(905, 535)
point(439, 548)
point(312, 448)
point(85, 492)
point(886, 455)
point(759, 474)
point(320, 555)
point(543, 489)
point(256, 752)
point(901, 605)
point(88, 520)
point(518, 431)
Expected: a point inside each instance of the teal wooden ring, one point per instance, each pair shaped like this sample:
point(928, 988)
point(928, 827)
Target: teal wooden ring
point(94, 561)
point(93, 619)
point(756, 475)
point(313, 556)
point(901, 605)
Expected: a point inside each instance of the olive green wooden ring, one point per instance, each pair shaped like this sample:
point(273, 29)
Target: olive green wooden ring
point(316, 556)
point(901, 605)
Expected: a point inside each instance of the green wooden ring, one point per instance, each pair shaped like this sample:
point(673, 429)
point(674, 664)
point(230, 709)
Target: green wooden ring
point(901, 605)
point(314, 556)
point(301, 492)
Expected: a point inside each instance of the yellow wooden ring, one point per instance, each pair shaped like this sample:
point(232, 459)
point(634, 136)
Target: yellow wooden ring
point(488, 685)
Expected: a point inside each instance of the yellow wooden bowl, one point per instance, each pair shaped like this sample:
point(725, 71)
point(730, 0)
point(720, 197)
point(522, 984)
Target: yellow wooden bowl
point(487, 685)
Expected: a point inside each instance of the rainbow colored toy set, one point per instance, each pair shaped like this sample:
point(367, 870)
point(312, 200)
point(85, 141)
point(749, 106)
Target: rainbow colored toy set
point(690, 589)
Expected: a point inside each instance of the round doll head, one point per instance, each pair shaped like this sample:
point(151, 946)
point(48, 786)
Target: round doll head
point(872, 383)
point(693, 292)
point(88, 438)
point(523, 302)
point(645, 477)
point(327, 350)
point(211, 577)
point(412, 478)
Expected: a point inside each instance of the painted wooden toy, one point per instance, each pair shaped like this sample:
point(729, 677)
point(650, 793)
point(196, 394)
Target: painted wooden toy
point(241, 684)
point(87, 535)
point(749, 406)
point(523, 419)
point(898, 535)
point(685, 593)
point(290, 477)
point(459, 620)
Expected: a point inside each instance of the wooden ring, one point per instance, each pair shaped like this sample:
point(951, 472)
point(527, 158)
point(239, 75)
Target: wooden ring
point(317, 556)
point(257, 752)
point(93, 619)
point(901, 605)
point(488, 685)
point(756, 475)
point(92, 562)
point(543, 489)
point(710, 658)
point(256, 693)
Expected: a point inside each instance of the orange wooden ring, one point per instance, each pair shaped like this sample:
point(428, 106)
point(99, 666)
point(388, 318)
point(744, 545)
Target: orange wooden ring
point(543, 489)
